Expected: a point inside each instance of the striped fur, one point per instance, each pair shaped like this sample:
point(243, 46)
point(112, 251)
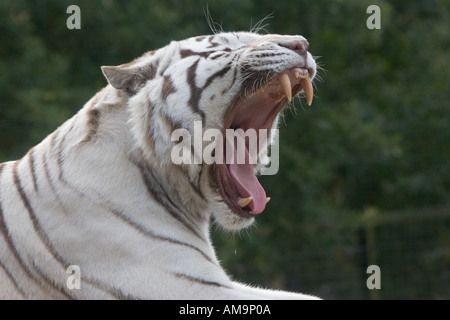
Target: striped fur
point(102, 193)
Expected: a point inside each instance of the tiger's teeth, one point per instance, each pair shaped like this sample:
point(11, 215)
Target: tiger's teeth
point(299, 75)
point(308, 88)
point(267, 199)
point(286, 85)
point(243, 202)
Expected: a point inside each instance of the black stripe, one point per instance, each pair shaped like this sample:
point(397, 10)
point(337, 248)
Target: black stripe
point(152, 235)
point(219, 55)
point(195, 186)
point(200, 38)
point(47, 174)
point(213, 178)
point(212, 43)
point(38, 228)
point(170, 123)
point(199, 281)
point(93, 124)
point(167, 88)
point(173, 125)
point(13, 280)
point(220, 73)
point(59, 159)
point(36, 224)
point(31, 162)
point(59, 289)
point(184, 53)
point(195, 91)
point(265, 53)
point(5, 231)
point(59, 151)
point(232, 82)
point(157, 191)
point(149, 132)
point(7, 236)
point(51, 183)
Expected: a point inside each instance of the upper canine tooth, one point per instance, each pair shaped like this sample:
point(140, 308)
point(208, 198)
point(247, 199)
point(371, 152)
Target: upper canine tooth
point(286, 85)
point(308, 88)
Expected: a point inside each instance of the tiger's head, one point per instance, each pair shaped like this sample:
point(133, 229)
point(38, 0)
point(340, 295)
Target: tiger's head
point(224, 81)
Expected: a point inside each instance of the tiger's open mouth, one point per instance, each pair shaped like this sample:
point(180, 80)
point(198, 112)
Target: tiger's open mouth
point(237, 182)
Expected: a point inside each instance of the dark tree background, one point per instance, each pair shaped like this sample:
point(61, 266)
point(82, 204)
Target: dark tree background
point(365, 171)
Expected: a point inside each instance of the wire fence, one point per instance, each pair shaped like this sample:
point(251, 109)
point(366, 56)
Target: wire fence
point(411, 249)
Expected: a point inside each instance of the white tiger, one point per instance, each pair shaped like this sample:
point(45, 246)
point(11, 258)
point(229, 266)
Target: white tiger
point(102, 193)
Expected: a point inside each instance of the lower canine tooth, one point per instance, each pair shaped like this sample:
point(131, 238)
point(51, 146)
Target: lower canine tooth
point(267, 199)
point(243, 202)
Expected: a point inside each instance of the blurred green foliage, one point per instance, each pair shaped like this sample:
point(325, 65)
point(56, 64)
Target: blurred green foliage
point(376, 138)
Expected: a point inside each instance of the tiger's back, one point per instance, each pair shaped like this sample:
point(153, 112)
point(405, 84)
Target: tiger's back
point(103, 195)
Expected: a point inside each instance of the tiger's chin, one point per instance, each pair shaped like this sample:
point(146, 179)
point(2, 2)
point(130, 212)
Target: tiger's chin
point(230, 221)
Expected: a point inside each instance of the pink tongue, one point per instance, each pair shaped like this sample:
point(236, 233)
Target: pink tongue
point(245, 179)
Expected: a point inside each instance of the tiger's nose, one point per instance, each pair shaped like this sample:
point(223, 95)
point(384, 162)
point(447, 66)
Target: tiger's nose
point(299, 46)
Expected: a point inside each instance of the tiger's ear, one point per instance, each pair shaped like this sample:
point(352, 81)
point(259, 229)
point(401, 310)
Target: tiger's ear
point(129, 77)
point(118, 77)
